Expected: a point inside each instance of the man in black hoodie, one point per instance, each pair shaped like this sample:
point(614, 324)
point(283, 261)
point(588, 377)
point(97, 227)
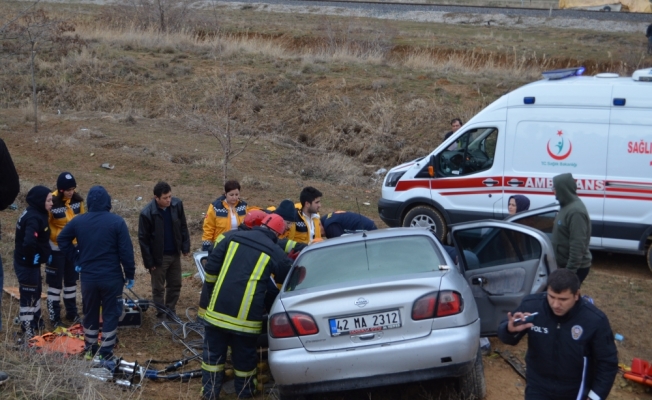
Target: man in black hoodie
point(571, 352)
point(103, 244)
point(32, 249)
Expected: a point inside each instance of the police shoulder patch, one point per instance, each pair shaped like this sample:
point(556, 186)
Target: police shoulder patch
point(576, 332)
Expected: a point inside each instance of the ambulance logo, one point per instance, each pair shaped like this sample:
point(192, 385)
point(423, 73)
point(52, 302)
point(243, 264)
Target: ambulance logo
point(560, 150)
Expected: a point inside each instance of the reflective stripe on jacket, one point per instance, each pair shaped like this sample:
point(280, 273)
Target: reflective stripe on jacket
point(60, 216)
point(218, 219)
point(237, 273)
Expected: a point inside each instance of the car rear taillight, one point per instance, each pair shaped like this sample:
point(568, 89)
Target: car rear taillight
point(283, 325)
point(437, 304)
point(424, 307)
point(304, 324)
point(449, 303)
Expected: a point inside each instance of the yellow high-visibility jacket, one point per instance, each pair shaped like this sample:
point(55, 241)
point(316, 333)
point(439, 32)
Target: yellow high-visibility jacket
point(218, 220)
point(61, 213)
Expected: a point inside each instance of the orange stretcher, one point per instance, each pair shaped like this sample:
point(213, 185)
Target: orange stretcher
point(68, 341)
point(640, 372)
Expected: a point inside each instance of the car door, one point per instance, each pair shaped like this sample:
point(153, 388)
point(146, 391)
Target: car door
point(542, 218)
point(200, 258)
point(502, 262)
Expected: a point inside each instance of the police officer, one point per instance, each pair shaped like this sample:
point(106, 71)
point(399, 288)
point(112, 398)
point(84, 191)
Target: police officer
point(237, 274)
point(32, 249)
point(571, 352)
point(340, 222)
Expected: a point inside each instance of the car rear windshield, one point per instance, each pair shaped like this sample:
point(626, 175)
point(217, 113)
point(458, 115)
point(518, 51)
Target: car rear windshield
point(387, 257)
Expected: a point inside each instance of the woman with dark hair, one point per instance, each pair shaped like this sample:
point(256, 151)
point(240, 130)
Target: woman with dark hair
point(224, 214)
point(66, 204)
point(518, 203)
point(31, 251)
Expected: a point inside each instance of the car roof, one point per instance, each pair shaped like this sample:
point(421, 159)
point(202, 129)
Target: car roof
point(375, 234)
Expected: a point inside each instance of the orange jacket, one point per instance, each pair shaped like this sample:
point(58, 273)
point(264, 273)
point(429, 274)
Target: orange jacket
point(60, 215)
point(218, 220)
point(299, 230)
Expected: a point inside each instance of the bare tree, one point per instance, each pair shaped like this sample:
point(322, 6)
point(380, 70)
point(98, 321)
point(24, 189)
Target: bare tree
point(228, 112)
point(31, 31)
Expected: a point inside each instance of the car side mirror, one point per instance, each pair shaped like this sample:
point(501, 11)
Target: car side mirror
point(431, 167)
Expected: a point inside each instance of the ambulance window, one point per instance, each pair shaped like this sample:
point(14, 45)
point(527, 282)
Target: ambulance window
point(472, 152)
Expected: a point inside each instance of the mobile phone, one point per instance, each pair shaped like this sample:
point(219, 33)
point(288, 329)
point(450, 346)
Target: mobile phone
point(529, 318)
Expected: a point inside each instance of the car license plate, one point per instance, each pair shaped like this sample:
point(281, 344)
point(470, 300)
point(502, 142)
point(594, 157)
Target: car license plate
point(365, 323)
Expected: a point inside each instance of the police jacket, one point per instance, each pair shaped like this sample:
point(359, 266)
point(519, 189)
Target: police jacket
point(218, 220)
point(103, 241)
point(339, 222)
point(237, 273)
point(63, 210)
point(151, 231)
point(568, 357)
point(32, 231)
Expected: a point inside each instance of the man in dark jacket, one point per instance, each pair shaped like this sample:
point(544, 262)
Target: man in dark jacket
point(571, 232)
point(648, 33)
point(340, 222)
point(32, 249)
point(237, 273)
point(571, 352)
point(103, 245)
point(9, 188)
point(163, 235)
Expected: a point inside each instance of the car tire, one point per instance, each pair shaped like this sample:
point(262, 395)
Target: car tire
point(472, 384)
point(428, 217)
point(649, 257)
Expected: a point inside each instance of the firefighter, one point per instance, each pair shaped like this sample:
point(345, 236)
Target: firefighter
point(32, 249)
point(66, 204)
point(237, 274)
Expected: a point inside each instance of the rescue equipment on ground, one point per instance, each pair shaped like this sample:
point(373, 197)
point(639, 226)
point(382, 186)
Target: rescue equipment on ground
point(640, 372)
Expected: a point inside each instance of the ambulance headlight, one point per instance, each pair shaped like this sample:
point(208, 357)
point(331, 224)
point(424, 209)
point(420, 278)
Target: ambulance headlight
point(392, 178)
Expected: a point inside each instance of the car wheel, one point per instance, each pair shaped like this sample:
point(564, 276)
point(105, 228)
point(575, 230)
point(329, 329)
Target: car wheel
point(427, 217)
point(649, 257)
point(473, 385)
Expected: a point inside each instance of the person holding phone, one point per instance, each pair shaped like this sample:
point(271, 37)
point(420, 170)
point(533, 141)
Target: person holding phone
point(584, 362)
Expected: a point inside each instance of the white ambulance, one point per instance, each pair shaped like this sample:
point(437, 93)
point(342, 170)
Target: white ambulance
point(599, 128)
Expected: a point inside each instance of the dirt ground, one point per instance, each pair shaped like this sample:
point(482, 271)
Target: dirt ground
point(322, 122)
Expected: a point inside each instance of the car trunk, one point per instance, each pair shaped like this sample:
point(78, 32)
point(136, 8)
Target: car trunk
point(368, 314)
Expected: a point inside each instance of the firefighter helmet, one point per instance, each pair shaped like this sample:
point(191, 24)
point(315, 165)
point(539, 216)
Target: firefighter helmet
point(254, 218)
point(275, 222)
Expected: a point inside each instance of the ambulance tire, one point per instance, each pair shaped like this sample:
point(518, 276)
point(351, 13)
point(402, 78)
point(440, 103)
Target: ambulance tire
point(649, 257)
point(428, 217)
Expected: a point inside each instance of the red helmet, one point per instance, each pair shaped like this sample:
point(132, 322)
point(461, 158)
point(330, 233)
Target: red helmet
point(275, 222)
point(254, 218)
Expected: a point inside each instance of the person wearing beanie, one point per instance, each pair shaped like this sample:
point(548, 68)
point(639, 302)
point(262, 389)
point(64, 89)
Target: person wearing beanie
point(32, 249)
point(60, 274)
point(225, 214)
point(104, 258)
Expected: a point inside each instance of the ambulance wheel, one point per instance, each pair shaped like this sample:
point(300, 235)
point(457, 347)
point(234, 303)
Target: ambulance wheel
point(649, 257)
point(426, 217)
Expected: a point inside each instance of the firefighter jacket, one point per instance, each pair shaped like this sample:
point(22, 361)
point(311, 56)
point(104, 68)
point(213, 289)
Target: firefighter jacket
point(237, 274)
point(299, 231)
point(32, 231)
point(567, 357)
point(218, 220)
point(63, 210)
point(151, 232)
